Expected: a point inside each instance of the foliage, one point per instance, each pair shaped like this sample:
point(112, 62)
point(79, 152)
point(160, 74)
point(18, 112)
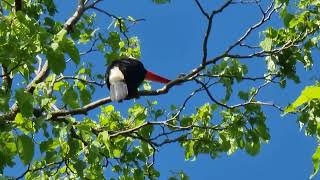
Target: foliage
point(44, 120)
point(309, 117)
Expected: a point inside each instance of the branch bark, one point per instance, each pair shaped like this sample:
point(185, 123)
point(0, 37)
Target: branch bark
point(18, 5)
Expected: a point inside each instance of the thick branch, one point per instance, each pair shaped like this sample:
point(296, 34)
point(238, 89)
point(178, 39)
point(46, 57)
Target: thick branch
point(75, 17)
point(83, 110)
point(8, 3)
point(7, 81)
point(18, 5)
point(205, 42)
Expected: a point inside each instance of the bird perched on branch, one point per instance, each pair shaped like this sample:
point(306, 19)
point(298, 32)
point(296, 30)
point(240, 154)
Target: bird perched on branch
point(124, 76)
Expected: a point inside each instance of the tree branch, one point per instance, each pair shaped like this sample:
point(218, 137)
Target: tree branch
point(83, 110)
point(266, 16)
point(222, 7)
point(119, 19)
point(80, 79)
point(75, 17)
point(205, 42)
point(18, 5)
point(8, 3)
point(210, 95)
point(7, 81)
point(201, 9)
point(209, 27)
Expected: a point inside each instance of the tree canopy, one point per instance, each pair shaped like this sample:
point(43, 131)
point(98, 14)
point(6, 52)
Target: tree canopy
point(54, 120)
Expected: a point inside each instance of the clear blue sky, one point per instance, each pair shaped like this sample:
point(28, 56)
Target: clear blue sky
point(171, 41)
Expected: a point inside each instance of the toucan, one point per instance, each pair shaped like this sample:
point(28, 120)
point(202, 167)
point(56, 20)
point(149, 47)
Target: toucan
point(124, 76)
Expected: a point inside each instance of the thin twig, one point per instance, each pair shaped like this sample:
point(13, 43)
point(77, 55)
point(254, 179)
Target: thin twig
point(80, 79)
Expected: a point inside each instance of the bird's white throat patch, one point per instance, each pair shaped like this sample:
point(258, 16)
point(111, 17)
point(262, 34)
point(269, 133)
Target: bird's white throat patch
point(115, 75)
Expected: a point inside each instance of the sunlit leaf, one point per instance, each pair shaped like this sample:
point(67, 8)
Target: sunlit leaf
point(316, 162)
point(309, 93)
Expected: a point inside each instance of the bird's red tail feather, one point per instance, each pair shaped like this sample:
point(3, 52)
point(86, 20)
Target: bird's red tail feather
point(154, 77)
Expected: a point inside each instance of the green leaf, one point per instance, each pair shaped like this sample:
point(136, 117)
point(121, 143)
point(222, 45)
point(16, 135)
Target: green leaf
point(61, 35)
point(4, 100)
point(266, 44)
point(25, 148)
point(252, 145)
point(105, 138)
point(25, 101)
point(286, 16)
point(243, 95)
point(186, 121)
point(161, 1)
point(69, 47)
point(49, 145)
point(138, 174)
point(295, 21)
point(146, 149)
point(56, 61)
point(271, 65)
point(189, 150)
point(80, 166)
point(23, 124)
point(117, 153)
point(74, 147)
point(70, 97)
point(59, 85)
point(108, 109)
point(51, 7)
point(316, 162)
point(183, 176)
point(309, 93)
point(85, 97)
point(146, 86)
point(114, 40)
point(84, 38)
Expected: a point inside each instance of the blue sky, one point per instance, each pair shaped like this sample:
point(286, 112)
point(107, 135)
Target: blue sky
point(171, 41)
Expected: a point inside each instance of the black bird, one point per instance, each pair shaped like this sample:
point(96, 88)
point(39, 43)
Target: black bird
point(124, 76)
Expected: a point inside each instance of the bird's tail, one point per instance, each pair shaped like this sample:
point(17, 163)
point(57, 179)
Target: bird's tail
point(118, 91)
point(154, 77)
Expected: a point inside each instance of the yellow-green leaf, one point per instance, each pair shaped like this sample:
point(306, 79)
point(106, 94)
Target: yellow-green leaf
point(316, 161)
point(309, 93)
point(23, 124)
